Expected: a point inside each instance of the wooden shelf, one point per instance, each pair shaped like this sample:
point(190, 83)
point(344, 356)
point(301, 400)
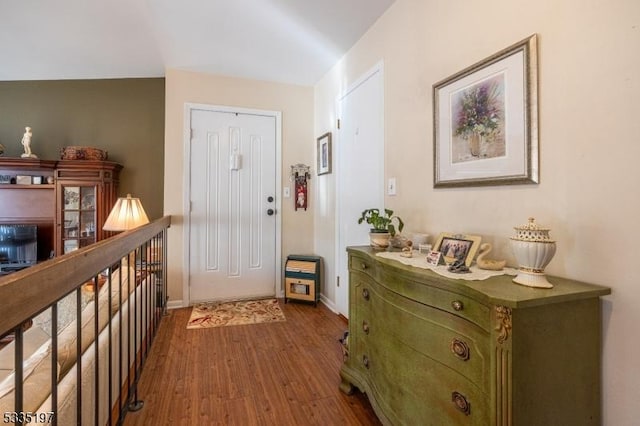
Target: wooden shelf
point(33, 186)
point(27, 163)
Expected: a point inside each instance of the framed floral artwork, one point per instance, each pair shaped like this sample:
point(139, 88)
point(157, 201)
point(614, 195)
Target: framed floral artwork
point(486, 121)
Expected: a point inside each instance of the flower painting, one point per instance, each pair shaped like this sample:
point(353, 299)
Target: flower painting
point(478, 114)
point(485, 121)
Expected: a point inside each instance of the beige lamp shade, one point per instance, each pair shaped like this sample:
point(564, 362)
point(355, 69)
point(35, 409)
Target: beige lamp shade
point(128, 213)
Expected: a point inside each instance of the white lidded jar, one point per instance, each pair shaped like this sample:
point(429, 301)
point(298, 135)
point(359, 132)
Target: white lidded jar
point(534, 249)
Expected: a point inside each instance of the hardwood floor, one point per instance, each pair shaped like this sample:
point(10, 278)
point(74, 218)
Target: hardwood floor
point(284, 373)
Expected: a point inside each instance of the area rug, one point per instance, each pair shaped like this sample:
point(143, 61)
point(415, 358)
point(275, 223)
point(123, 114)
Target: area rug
point(218, 314)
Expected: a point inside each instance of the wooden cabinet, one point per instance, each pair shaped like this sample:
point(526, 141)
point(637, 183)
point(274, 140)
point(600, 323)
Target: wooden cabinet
point(85, 193)
point(26, 202)
point(32, 204)
point(69, 212)
point(432, 350)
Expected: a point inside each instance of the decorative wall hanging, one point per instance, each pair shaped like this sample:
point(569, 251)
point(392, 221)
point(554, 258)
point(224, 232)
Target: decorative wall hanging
point(300, 173)
point(324, 154)
point(486, 121)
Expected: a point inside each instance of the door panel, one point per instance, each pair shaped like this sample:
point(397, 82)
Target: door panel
point(232, 238)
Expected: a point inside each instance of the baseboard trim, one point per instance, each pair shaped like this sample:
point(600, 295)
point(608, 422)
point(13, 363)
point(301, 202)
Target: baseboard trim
point(328, 303)
point(174, 304)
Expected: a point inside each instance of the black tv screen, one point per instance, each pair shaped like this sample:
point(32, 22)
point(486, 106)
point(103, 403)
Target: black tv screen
point(18, 245)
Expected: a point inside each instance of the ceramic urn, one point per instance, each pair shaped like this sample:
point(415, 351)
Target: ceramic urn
point(534, 249)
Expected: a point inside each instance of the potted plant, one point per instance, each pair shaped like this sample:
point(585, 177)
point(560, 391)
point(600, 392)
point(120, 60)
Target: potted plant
point(382, 227)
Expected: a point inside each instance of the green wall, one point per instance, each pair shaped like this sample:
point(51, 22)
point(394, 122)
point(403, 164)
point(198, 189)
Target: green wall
point(123, 116)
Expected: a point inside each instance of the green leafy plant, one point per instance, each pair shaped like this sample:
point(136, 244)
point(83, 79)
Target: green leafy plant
point(381, 222)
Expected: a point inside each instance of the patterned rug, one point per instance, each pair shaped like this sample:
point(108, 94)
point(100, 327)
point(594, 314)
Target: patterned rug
point(218, 314)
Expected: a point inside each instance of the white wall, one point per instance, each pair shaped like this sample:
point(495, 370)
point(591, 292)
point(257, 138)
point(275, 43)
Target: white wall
point(589, 102)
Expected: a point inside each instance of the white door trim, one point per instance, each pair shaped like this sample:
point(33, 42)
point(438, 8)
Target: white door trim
point(186, 184)
point(377, 68)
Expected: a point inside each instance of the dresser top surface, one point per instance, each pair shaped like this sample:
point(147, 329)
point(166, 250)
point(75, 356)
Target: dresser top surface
point(499, 290)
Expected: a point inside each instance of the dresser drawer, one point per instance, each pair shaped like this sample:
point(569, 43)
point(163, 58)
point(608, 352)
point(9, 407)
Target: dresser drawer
point(445, 300)
point(362, 264)
point(446, 338)
point(420, 390)
point(360, 286)
point(359, 313)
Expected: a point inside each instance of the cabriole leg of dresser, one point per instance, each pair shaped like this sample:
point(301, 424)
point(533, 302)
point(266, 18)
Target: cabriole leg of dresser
point(346, 385)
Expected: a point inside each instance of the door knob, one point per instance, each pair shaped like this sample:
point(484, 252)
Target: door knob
point(270, 199)
point(270, 212)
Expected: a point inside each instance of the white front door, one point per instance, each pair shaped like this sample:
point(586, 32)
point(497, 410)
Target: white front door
point(232, 235)
point(360, 169)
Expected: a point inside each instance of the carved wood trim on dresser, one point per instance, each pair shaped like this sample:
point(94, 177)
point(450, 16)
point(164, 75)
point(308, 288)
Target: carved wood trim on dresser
point(432, 350)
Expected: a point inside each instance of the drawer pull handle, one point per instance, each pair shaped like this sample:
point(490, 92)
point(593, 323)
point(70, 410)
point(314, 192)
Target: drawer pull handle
point(365, 327)
point(365, 361)
point(365, 293)
point(460, 349)
point(364, 266)
point(461, 403)
point(457, 305)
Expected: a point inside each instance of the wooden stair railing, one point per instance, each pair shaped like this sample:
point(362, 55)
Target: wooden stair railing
point(27, 293)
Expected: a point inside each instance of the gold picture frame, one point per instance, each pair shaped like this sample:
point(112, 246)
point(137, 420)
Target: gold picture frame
point(457, 246)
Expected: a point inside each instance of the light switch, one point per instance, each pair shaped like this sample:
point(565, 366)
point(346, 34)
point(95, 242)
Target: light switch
point(391, 186)
point(286, 192)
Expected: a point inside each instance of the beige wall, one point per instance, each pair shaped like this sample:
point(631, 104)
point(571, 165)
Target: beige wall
point(298, 145)
point(588, 103)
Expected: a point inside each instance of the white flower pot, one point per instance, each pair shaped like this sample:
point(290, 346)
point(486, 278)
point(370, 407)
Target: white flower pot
point(379, 240)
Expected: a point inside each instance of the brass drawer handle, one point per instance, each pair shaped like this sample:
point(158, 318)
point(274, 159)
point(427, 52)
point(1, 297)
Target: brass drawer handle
point(364, 266)
point(365, 327)
point(457, 305)
point(365, 361)
point(461, 403)
point(460, 349)
point(365, 293)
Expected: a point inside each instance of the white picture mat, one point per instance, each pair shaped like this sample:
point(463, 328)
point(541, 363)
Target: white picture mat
point(514, 163)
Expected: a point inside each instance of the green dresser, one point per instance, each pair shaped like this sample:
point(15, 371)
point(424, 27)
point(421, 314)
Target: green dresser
point(429, 350)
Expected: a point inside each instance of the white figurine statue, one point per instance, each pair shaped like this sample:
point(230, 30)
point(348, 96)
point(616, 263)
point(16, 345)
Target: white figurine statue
point(26, 142)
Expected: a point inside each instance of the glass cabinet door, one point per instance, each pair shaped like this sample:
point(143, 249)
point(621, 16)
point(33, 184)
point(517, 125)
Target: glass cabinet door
point(79, 217)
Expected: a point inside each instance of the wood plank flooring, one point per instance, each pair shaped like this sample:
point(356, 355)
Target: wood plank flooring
point(284, 373)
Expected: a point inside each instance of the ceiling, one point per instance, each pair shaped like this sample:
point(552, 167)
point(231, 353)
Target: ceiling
point(290, 41)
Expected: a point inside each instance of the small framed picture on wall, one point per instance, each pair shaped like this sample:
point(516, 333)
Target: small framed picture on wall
point(324, 154)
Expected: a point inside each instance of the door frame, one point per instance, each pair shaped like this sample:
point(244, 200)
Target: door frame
point(186, 184)
point(344, 281)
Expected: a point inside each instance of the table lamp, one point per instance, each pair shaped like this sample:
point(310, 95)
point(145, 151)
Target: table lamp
point(127, 213)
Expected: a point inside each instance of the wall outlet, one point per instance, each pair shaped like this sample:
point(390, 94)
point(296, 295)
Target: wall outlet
point(391, 186)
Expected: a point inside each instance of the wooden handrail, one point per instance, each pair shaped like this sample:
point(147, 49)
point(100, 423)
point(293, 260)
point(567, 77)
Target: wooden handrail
point(26, 293)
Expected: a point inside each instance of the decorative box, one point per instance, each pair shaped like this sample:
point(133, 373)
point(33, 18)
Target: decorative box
point(82, 153)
